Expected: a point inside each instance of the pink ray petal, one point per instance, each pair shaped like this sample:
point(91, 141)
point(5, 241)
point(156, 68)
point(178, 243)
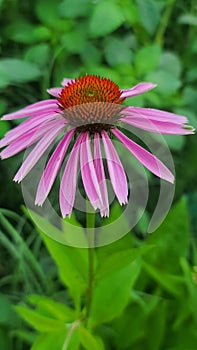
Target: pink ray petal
point(55, 91)
point(116, 170)
point(65, 81)
point(157, 126)
point(37, 152)
point(99, 168)
point(27, 139)
point(138, 89)
point(150, 161)
point(88, 173)
point(155, 114)
point(44, 106)
point(69, 180)
point(52, 168)
point(28, 125)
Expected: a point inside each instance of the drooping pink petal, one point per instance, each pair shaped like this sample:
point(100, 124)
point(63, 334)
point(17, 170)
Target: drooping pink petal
point(28, 125)
point(56, 91)
point(28, 139)
point(150, 161)
point(65, 81)
point(157, 126)
point(52, 168)
point(37, 152)
point(116, 170)
point(155, 114)
point(43, 106)
point(88, 173)
point(138, 89)
point(99, 168)
point(69, 180)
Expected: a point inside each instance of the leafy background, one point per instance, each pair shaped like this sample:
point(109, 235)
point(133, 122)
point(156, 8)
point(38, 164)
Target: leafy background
point(150, 299)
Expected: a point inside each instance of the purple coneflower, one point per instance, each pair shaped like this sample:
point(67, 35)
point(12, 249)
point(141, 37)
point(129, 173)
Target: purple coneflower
point(87, 110)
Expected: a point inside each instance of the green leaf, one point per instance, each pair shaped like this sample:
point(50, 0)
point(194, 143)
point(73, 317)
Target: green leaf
point(176, 143)
point(26, 33)
point(72, 262)
point(116, 261)
point(51, 308)
point(16, 70)
point(130, 11)
point(145, 314)
point(38, 321)
point(122, 244)
point(170, 63)
point(47, 341)
point(107, 16)
point(167, 83)
point(117, 52)
point(189, 97)
point(113, 227)
point(111, 294)
point(48, 13)
point(149, 12)
point(91, 53)
point(75, 8)
point(27, 336)
point(103, 71)
point(147, 58)
point(74, 42)
point(89, 341)
point(38, 54)
point(191, 299)
point(171, 239)
point(188, 19)
point(172, 283)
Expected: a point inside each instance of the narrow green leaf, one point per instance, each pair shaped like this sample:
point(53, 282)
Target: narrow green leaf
point(38, 321)
point(52, 308)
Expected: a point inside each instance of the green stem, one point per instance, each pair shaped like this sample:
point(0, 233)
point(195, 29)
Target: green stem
point(70, 334)
point(90, 224)
point(164, 22)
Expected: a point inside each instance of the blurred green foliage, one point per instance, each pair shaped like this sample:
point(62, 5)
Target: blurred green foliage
point(141, 289)
point(145, 295)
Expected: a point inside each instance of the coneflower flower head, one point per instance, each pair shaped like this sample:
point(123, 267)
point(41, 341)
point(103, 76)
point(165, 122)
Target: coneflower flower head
point(87, 110)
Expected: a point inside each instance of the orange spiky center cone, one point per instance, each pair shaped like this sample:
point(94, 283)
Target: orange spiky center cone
point(91, 103)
